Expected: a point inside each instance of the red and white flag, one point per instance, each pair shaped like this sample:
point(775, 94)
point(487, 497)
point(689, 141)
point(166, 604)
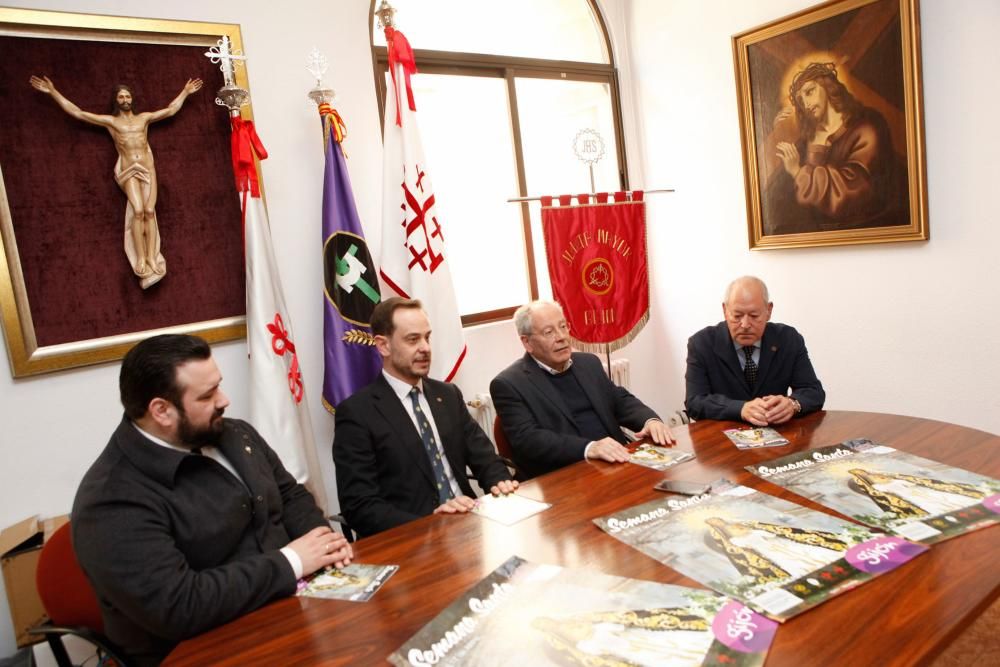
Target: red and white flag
point(414, 260)
point(278, 408)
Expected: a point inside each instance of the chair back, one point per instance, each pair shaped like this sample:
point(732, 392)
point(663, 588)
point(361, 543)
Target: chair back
point(503, 444)
point(63, 588)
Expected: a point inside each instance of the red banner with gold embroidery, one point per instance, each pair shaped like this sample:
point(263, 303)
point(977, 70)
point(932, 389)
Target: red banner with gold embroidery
point(598, 266)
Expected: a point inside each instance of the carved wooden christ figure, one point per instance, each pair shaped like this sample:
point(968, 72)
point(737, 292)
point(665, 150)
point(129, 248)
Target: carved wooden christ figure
point(135, 172)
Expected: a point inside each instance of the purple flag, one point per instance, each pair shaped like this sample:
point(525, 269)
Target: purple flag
point(350, 280)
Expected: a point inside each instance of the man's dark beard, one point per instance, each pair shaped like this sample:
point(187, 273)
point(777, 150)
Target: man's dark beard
point(200, 437)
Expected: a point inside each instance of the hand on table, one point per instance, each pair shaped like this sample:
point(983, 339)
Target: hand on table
point(656, 431)
point(458, 505)
point(608, 449)
point(505, 487)
point(321, 547)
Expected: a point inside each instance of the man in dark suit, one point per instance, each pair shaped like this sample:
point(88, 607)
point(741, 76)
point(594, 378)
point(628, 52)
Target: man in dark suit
point(743, 367)
point(558, 407)
point(188, 520)
point(403, 443)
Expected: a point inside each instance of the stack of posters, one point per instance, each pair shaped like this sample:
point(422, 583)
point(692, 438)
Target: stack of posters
point(910, 496)
point(752, 438)
point(356, 582)
point(529, 614)
point(658, 458)
point(778, 557)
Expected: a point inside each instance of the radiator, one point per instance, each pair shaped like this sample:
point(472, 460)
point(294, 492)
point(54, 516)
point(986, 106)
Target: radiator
point(620, 372)
point(482, 410)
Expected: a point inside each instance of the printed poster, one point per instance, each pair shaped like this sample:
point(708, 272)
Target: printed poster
point(778, 557)
point(915, 498)
point(658, 458)
point(525, 614)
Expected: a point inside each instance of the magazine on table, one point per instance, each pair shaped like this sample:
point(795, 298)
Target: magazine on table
point(752, 438)
point(778, 557)
point(658, 458)
point(525, 614)
point(356, 582)
point(913, 497)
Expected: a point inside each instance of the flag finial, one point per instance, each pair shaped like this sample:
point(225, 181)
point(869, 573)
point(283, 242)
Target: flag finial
point(317, 65)
point(230, 95)
point(385, 14)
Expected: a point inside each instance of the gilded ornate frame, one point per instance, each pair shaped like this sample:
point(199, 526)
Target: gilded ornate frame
point(26, 356)
point(786, 42)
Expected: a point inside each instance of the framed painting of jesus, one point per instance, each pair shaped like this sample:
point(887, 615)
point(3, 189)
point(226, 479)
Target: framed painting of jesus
point(832, 127)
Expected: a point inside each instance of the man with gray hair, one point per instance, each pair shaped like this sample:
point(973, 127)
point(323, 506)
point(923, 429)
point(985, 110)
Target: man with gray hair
point(743, 367)
point(558, 407)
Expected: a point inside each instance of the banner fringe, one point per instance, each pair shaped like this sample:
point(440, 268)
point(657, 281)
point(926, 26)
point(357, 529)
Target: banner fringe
point(614, 345)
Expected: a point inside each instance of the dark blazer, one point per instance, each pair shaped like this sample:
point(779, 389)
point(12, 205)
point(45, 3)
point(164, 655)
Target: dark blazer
point(539, 424)
point(716, 387)
point(384, 477)
point(174, 545)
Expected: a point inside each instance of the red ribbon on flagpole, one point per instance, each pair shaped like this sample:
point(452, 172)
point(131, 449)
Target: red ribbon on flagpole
point(245, 143)
point(333, 124)
point(401, 53)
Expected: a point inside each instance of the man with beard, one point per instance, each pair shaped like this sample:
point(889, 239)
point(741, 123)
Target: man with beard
point(842, 171)
point(558, 407)
point(402, 444)
point(188, 520)
point(135, 172)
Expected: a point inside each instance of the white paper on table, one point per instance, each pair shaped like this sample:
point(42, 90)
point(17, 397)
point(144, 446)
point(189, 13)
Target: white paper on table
point(508, 509)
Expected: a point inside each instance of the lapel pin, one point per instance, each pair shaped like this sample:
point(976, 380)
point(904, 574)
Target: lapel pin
point(438, 399)
point(248, 449)
point(774, 348)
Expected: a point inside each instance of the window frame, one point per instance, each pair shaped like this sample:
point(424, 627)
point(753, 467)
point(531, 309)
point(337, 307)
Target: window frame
point(509, 68)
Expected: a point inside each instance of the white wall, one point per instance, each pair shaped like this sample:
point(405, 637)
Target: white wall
point(908, 328)
point(878, 319)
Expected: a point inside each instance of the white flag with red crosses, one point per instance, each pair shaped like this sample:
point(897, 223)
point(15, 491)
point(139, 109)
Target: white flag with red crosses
point(414, 259)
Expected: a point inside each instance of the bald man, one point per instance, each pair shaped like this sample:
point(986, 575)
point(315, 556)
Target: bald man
point(747, 368)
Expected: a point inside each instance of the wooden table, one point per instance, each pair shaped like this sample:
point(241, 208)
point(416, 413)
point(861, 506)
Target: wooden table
point(903, 618)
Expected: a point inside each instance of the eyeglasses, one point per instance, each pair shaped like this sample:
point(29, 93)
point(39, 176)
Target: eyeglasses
point(551, 333)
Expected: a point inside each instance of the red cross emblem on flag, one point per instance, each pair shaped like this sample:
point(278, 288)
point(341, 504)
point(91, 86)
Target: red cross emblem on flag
point(419, 234)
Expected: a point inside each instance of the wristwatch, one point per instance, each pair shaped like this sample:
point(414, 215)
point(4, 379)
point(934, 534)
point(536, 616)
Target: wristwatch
point(797, 405)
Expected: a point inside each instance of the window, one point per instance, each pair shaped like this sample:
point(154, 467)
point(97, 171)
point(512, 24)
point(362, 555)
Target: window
point(499, 108)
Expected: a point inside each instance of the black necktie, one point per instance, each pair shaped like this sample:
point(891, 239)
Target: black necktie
point(431, 447)
point(750, 370)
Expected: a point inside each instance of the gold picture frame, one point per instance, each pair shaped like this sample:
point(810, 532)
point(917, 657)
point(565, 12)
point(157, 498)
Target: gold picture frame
point(816, 174)
point(27, 356)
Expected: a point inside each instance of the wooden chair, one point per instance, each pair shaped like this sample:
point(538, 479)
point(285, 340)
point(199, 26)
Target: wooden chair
point(504, 449)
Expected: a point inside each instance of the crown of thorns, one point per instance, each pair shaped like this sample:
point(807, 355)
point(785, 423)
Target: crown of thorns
point(811, 72)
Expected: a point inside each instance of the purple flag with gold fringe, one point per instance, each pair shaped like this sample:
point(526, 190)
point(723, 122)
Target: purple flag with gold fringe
point(350, 289)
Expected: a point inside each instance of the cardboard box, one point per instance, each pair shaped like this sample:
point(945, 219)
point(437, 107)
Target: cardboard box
point(20, 547)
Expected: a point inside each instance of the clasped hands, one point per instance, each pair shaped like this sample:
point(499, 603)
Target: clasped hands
point(768, 410)
point(321, 547)
point(463, 504)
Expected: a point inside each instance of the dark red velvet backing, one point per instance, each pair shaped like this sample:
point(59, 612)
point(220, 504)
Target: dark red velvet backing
point(68, 213)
